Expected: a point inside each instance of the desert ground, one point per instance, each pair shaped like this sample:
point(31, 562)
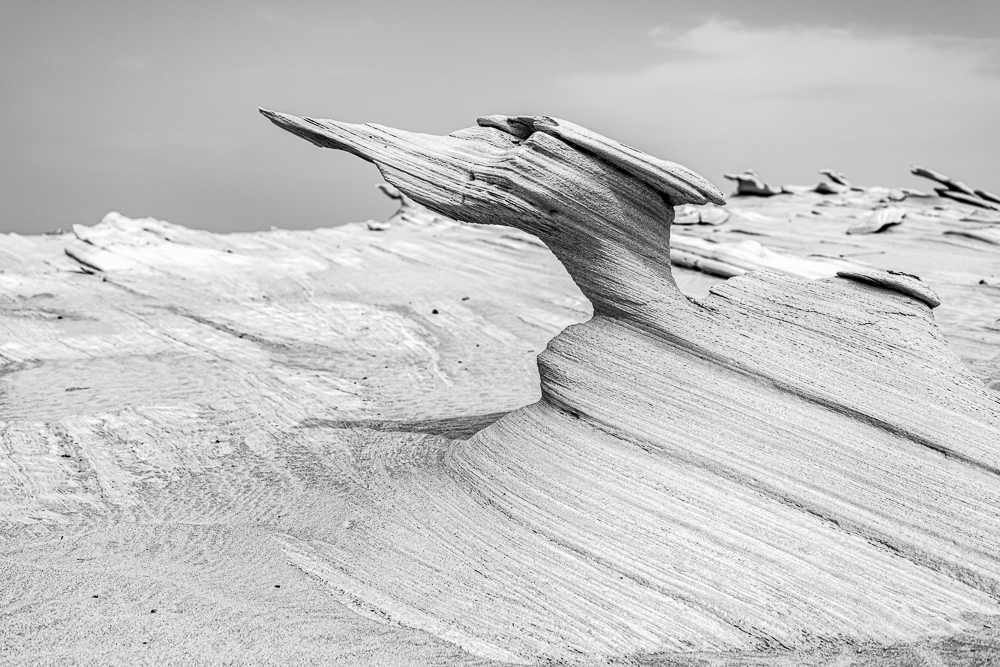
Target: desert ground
point(336, 447)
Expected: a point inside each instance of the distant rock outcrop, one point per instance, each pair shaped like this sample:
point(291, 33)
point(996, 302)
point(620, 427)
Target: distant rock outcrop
point(836, 177)
point(879, 220)
point(749, 184)
point(786, 462)
point(708, 214)
point(989, 235)
point(735, 258)
point(958, 190)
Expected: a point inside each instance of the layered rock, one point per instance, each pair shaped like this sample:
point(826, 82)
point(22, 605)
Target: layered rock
point(749, 183)
point(785, 462)
point(190, 420)
point(958, 190)
point(879, 220)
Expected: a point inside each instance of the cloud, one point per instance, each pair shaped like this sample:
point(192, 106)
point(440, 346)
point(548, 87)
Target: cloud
point(794, 99)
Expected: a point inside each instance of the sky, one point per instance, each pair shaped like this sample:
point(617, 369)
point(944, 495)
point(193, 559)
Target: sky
point(150, 109)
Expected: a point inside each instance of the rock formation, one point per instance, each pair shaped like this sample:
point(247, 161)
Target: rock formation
point(749, 184)
point(879, 220)
point(708, 214)
point(836, 177)
point(734, 258)
point(985, 234)
point(783, 463)
point(958, 190)
point(270, 439)
point(837, 185)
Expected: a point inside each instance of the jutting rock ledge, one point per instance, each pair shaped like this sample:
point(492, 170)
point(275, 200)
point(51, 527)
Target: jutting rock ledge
point(783, 463)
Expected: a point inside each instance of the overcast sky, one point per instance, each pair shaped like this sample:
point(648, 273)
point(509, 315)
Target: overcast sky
point(150, 109)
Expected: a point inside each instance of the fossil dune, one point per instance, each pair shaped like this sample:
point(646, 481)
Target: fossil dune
point(338, 447)
point(780, 463)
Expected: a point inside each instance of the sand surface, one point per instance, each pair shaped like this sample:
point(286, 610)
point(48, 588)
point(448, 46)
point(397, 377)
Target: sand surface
point(268, 448)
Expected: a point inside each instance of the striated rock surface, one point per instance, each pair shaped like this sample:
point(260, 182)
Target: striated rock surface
point(879, 220)
point(734, 258)
point(782, 463)
point(958, 190)
point(276, 440)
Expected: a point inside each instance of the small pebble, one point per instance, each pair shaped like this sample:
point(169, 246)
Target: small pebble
point(434, 312)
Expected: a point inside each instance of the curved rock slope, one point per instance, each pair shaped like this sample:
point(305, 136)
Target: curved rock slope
point(781, 464)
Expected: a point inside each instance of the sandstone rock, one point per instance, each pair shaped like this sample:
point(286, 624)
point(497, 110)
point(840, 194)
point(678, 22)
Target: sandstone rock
point(783, 462)
point(825, 188)
point(837, 177)
point(727, 259)
point(749, 184)
point(972, 200)
point(896, 281)
point(989, 235)
point(879, 220)
point(707, 214)
point(949, 183)
point(958, 190)
point(988, 196)
point(195, 419)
